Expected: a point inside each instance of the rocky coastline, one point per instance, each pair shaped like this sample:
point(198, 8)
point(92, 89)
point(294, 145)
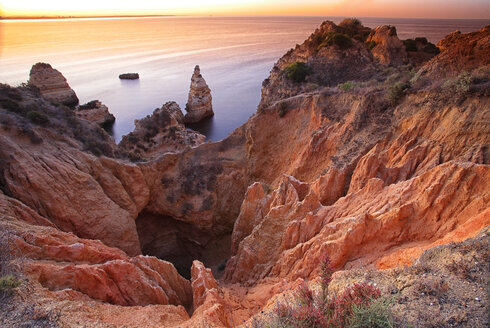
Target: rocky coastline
point(367, 148)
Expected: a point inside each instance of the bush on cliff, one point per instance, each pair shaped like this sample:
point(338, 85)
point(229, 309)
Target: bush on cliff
point(37, 117)
point(396, 91)
point(359, 305)
point(298, 71)
point(7, 284)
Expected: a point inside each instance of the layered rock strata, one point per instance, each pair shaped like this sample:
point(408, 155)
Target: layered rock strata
point(199, 104)
point(52, 85)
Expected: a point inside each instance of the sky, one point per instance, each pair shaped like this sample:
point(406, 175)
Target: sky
point(351, 8)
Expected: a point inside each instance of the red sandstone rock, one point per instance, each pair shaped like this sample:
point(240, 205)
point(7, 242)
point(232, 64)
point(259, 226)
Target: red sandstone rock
point(199, 104)
point(389, 50)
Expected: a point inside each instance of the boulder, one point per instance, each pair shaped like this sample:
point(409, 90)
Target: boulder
point(96, 112)
point(52, 84)
point(199, 104)
point(388, 49)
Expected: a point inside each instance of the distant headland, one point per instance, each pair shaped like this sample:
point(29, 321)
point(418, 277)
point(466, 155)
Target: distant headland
point(82, 17)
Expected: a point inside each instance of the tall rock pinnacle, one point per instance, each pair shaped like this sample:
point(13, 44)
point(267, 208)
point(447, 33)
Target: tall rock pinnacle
point(199, 102)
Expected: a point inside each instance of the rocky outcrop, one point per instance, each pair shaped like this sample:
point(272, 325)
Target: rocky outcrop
point(460, 53)
point(199, 104)
point(335, 54)
point(59, 260)
point(209, 306)
point(52, 85)
point(388, 49)
point(161, 132)
point(96, 112)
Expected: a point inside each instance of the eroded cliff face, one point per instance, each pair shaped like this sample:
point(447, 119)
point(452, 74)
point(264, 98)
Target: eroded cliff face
point(368, 173)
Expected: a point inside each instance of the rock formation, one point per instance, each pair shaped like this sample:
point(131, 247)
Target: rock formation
point(366, 172)
point(52, 85)
point(199, 104)
point(129, 76)
point(388, 49)
point(337, 54)
point(161, 132)
point(96, 112)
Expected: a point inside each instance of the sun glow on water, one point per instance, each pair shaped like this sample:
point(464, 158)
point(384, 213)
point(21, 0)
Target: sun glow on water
point(360, 8)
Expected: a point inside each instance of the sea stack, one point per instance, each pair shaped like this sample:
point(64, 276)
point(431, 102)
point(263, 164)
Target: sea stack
point(52, 85)
point(199, 104)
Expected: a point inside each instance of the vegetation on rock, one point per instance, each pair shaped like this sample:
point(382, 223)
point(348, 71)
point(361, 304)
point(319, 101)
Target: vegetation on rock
point(298, 71)
point(359, 305)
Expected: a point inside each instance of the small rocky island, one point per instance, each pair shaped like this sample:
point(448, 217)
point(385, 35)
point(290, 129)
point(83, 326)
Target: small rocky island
point(199, 104)
point(129, 76)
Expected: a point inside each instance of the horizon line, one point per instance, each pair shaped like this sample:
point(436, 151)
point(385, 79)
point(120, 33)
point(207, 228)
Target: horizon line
point(209, 15)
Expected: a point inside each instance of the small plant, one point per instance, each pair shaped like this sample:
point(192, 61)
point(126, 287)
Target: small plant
point(8, 283)
point(375, 315)
point(283, 108)
point(396, 91)
point(431, 49)
point(360, 305)
point(298, 71)
point(341, 40)
point(349, 22)
point(371, 44)
point(37, 117)
point(90, 105)
point(347, 86)
point(410, 44)
point(459, 85)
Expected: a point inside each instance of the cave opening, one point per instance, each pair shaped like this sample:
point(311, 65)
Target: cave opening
point(181, 243)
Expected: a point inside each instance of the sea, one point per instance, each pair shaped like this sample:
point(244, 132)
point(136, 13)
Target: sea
point(235, 55)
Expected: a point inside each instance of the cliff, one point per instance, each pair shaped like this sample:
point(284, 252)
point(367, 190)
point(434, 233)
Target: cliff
point(374, 156)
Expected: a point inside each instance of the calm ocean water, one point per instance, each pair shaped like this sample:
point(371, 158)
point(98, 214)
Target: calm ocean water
point(235, 56)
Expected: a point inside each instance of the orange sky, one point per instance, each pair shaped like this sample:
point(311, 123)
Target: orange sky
point(359, 8)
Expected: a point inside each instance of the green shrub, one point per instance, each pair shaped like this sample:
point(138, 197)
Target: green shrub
point(395, 91)
point(347, 86)
point(8, 283)
point(375, 315)
point(354, 29)
point(341, 40)
point(371, 44)
point(359, 305)
point(298, 71)
point(459, 85)
point(90, 105)
point(37, 117)
point(410, 45)
point(350, 22)
point(431, 49)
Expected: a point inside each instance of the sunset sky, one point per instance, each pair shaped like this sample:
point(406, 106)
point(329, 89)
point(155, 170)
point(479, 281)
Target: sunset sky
point(359, 8)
